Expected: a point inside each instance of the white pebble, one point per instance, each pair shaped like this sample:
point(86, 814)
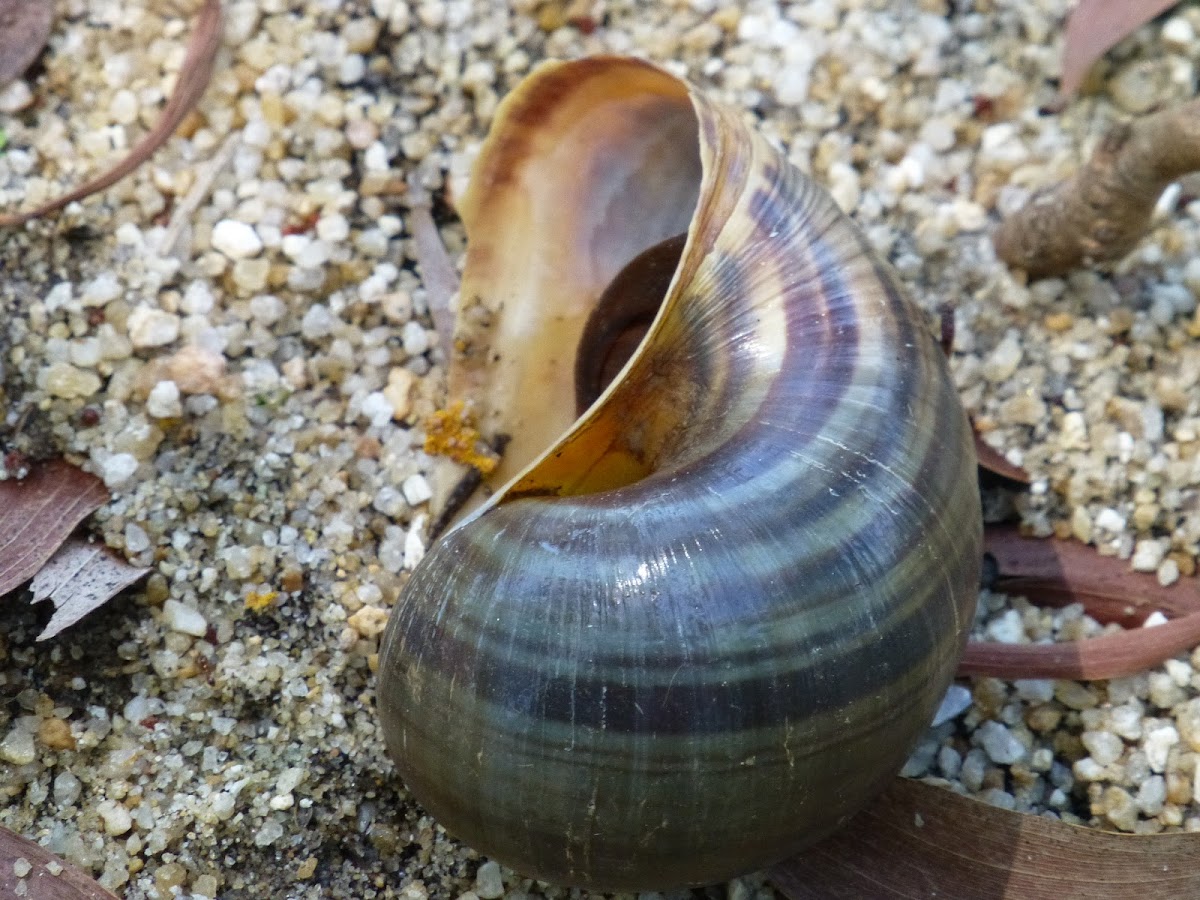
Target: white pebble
point(136, 539)
point(415, 338)
point(118, 469)
point(1000, 744)
point(377, 409)
point(66, 381)
point(1106, 748)
point(488, 883)
point(163, 402)
point(1158, 744)
point(17, 747)
point(414, 543)
point(151, 327)
point(1003, 360)
point(318, 322)
point(956, 701)
point(1008, 628)
point(1108, 519)
point(416, 489)
point(101, 290)
point(184, 619)
point(15, 97)
point(116, 818)
point(235, 239)
point(1168, 572)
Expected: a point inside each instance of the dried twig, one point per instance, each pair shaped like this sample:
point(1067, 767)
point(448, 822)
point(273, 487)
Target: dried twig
point(193, 80)
point(1100, 213)
point(437, 271)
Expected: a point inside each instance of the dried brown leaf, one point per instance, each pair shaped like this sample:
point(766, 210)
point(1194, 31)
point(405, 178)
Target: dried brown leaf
point(194, 75)
point(1092, 659)
point(993, 461)
point(920, 841)
point(46, 877)
point(1056, 573)
point(25, 26)
point(1096, 26)
point(38, 513)
point(80, 577)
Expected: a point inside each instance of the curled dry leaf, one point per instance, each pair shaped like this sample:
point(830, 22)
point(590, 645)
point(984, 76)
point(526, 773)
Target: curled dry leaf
point(993, 461)
point(1092, 659)
point(920, 841)
point(1056, 573)
point(29, 870)
point(80, 577)
point(1094, 27)
point(38, 513)
point(194, 76)
point(25, 27)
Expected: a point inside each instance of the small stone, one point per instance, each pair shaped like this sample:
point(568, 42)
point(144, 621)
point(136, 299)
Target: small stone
point(1000, 744)
point(116, 818)
point(1074, 695)
point(269, 833)
point(67, 789)
point(1147, 555)
point(15, 97)
point(1178, 34)
point(1119, 808)
point(317, 323)
point(1008, 628)
point(1152, 795)
point(1023, 409)
point(1158, 744)
point(488, 883)
point(1187, 718)
point(184, 619)
point(118, 469)
point(101, 290)
point(369, 621)
point(1141, 85)
point(1108, 519)
point(235, 239)
point(196, 370)
point(55, 734)
point(66, 381)
point(416, 489)
point(415, 338)
point(1168, 572)
point(956, 701)
point(306, 869)
point(399, 392)
point(17, 747)
point(21, 867)
point(151, 327)
point(163, 401)
point(1105, 748)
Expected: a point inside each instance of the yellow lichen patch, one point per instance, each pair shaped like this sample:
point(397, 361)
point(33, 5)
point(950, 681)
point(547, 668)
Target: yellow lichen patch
point(257, 601)
point(450, 432)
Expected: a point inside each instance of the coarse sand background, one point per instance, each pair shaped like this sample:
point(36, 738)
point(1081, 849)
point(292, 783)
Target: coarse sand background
point(249, 378)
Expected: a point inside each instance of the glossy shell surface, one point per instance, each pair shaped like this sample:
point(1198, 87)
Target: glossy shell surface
point(696, 628)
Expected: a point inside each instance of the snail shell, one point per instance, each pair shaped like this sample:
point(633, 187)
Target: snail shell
point(696, 628)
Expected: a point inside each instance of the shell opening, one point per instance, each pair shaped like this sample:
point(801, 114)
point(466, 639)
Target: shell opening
point(591, 175)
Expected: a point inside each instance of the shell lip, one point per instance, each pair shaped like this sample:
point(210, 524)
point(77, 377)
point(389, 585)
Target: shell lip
point(708, 160)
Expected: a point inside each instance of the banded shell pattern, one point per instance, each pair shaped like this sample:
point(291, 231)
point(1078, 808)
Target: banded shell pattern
point(696, 628)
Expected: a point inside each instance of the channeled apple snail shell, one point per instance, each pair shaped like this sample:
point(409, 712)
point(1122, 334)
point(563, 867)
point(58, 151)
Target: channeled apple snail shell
point(695, 628)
